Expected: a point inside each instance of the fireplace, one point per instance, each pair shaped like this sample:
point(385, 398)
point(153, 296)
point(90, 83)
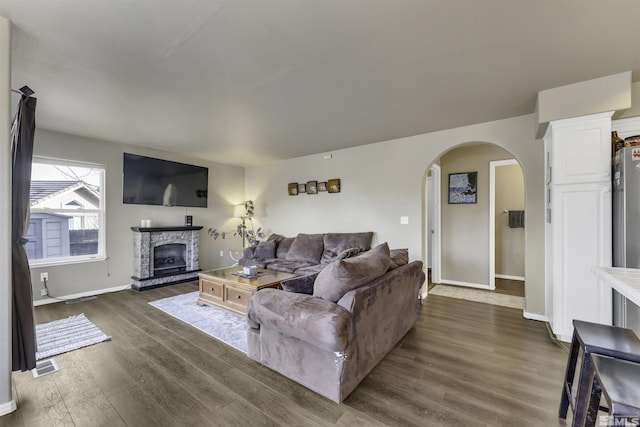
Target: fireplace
point(169, 259)
point(165, 256)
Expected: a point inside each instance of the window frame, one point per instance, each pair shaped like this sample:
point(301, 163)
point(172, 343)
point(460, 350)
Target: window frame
point(101, 254)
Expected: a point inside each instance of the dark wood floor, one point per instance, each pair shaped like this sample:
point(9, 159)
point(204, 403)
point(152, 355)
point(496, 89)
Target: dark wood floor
point(510, 287)
point(465, 363)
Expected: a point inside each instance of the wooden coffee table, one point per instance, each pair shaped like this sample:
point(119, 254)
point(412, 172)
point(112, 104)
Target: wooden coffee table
point(224, 289)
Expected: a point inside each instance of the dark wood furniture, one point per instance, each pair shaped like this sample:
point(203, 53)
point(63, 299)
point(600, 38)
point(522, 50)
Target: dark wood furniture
point(224, 289)
point(593, 338)
point(619, 382)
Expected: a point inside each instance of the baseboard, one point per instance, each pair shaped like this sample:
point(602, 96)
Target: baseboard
point(466, 284)
point(534, 316)
point(7, 408)
point(507, 277)
point(80, 295)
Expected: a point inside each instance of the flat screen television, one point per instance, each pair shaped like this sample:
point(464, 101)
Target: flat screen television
point(149, 181)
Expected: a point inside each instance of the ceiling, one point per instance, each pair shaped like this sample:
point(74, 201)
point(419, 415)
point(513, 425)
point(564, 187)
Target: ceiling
point(247, 82)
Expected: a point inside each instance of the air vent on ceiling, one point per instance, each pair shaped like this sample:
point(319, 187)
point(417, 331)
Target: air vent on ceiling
point(45, 367)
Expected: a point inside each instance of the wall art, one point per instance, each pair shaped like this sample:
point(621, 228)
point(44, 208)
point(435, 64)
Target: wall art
point(463, 188)
point(333, 185)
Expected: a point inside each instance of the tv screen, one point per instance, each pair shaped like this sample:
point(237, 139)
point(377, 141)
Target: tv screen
point(149, 181)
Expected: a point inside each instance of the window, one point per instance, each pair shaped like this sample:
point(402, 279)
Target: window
point(66, 222)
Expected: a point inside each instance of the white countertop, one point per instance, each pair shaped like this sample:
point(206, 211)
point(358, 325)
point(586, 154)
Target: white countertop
point(624, 280)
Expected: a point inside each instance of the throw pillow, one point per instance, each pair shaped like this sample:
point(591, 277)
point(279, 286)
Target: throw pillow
point(398, 257)
point(249, 252)
point(306, 247)
point(276, 237)
point(335, 243)
point(266, 250)
point(341, 276)
point(300, 285)
point(283, 247)
point(348, 253)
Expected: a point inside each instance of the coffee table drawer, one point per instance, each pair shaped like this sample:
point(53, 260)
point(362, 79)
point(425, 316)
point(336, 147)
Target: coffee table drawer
point(211, 289)
point(238, 296)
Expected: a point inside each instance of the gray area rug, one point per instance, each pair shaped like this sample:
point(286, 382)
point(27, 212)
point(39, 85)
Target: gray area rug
point(222, 325)
point(61, 336)
point(477, 295)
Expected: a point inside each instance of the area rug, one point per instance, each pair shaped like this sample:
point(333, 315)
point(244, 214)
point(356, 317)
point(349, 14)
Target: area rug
point(61, 336)
point(477, 295)
point(222, 325)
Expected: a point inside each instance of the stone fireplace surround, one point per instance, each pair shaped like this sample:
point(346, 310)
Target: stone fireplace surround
point(147, 239)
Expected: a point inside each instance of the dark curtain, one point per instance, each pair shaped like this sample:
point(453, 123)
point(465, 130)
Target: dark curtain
point(24, 335)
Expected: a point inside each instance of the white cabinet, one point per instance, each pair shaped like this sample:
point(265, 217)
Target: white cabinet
point(578, 228)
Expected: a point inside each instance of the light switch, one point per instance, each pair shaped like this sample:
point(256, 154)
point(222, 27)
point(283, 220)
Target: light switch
point(404, 220)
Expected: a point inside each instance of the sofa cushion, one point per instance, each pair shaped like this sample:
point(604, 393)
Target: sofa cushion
point(312, 269)
point(275, 237)
point(306, 247)
point(249, 252)
point(283, 247)
point(335, 243)
point(266, 250)
point(300, 285)
point(341, 276)
point(287, 266)
point(348, 253)
point(398, 257)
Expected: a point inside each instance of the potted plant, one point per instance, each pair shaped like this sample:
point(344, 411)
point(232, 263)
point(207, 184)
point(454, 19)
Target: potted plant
point(244, 229)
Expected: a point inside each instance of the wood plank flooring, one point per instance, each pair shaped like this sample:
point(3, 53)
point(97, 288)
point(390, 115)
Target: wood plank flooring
point(465, 363)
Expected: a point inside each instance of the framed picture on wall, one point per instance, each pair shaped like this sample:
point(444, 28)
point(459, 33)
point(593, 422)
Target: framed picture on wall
point(312, 187)
point(333, 185)
point(463, 188)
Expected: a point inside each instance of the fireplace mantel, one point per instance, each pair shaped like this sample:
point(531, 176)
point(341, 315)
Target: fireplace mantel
point(160, 229)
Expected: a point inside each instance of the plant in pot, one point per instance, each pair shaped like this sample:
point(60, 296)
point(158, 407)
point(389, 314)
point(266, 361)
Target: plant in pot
point(245, 229)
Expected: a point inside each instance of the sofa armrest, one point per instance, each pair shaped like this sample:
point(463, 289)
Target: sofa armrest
point(310, 319)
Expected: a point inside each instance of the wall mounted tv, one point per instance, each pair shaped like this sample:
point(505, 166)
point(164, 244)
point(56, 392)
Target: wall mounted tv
point(149, 181)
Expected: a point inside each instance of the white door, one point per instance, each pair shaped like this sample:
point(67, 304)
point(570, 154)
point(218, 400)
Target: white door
point(433, 234)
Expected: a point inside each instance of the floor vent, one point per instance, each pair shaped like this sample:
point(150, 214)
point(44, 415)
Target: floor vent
point(45, 367)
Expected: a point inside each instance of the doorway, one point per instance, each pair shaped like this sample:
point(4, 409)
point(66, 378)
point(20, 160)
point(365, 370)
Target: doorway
point(432, 221)
point(506, 222)
point(457, 235)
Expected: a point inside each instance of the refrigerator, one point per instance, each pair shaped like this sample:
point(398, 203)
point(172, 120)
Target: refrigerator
point(626, 228)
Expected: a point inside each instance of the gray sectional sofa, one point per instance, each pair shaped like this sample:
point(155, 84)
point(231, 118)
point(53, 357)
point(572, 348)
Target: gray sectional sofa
point(304, 254)
point(335, 326)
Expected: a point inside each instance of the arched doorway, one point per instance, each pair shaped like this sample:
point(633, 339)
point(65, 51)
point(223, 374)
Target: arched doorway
point(471, 232)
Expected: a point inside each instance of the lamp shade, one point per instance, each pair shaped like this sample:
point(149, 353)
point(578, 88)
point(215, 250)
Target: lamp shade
point(239, 211)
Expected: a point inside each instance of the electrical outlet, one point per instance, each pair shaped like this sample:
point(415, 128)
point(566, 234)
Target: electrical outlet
point(404, 220)
point(44, 276)
point(44, 292)
point(221, 253)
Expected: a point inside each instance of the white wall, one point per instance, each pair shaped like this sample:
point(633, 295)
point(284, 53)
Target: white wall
point(226, 188)
point(383, 181)
point(465, 237)
point(7, 404)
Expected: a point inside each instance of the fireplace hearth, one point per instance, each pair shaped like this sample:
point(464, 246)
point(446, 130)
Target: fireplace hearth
point(165, 256)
